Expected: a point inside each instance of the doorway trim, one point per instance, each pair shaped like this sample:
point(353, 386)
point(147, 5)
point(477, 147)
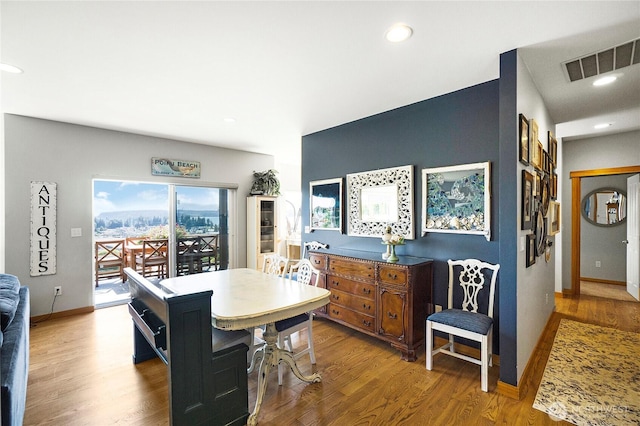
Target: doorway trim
point(576, 188)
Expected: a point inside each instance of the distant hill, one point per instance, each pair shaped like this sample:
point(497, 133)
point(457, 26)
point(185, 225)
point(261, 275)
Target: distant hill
point(198, 213)
point(126, 214)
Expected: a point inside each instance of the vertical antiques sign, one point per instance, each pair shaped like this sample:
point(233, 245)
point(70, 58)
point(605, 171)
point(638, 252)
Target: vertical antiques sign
point(43, 228)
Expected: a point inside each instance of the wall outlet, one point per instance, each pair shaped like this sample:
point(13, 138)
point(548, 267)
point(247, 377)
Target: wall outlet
point(438, 308)
point(57, 290)
point(598, 264)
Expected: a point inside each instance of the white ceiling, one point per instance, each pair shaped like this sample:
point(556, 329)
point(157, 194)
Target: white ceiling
point(177, 69)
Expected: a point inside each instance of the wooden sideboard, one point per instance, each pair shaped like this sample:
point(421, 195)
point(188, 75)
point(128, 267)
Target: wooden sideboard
point(389, 301)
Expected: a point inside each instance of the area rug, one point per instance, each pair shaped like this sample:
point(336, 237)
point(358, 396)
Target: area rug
point(592, 376)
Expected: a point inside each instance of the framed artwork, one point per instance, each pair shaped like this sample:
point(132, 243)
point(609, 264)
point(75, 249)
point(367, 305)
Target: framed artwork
point(553, 149)
point(553, 183)
point(527, 200)
point(531, 249)
point(554, 218)
point(533, 133)
point(545, 195)
point(457, 199)
point(325, 204)
point(546, 162)
point(536, 184)
point(524, 140)
point(380, 198)
point(536, 155)
point(540, 232)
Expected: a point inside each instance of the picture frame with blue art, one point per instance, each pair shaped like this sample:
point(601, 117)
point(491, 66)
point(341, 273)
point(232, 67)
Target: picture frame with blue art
point(457, 199)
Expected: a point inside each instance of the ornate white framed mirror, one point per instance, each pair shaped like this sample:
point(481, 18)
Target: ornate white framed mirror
point(380, 198)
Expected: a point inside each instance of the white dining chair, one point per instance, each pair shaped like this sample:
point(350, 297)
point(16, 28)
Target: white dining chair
point(467, 320)
point(273, 264)
point(308, 275)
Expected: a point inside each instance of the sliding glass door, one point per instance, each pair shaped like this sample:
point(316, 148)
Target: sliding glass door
point(195, 221)
point(202, 229)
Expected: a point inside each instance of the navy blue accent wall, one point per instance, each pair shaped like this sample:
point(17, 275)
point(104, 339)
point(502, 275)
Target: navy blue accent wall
point(456, 128)
point(508, 217)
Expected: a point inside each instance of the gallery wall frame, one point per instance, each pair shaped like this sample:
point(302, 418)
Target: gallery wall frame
point(553, 149)
point(554, 218)
point(457, 199)
point(527, 201)
point(531, 249)
point(380, 198)
point(524, 140)
point(540, 232)
point(325, 204)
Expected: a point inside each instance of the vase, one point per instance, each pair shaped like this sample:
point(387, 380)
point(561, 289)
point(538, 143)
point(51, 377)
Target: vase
point(386, 254)
point(393, 257)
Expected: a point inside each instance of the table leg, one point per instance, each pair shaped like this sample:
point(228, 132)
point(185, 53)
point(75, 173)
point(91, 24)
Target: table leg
point(272, 356)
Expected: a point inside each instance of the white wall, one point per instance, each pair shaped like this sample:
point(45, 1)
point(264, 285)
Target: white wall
point(619, 150)
point(603, 243)
point(71, 156)
point(535, 291)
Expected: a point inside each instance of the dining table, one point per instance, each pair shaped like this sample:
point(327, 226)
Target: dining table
point(246, 298)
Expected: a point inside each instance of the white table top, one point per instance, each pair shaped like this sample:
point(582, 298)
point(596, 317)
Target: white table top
point(244, 298)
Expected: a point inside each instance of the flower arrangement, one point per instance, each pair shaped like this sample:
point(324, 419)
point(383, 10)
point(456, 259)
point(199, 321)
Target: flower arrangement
point(392, 239)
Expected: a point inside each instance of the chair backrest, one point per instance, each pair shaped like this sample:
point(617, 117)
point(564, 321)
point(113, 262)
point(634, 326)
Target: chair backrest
point(186, 245)
point(312, 245)
point(472, 278)
point(154, 249)
point(274, 264)
point(109, 250)
point(208, 244)
point(305, 272)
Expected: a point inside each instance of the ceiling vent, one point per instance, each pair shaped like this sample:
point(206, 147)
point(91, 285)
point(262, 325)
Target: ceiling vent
point(604, 61)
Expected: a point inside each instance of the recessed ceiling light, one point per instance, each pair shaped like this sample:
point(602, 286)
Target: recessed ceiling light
point(10, 68)
point(602, 125)
point(605, 80)
point(229, 120)
point(398, 33)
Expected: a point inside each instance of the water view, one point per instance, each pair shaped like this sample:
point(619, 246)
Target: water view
point(133, 209)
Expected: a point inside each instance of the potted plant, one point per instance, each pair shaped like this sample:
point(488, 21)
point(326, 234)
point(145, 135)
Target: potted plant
point(265, 183)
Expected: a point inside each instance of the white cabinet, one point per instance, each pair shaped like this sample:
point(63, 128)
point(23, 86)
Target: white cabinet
point(262, 229)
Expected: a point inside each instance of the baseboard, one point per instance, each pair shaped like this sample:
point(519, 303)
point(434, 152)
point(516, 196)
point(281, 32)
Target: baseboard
point(62, 314)
point(510, 391)
point(599, 280)
point(520, 390)
point(566, 292)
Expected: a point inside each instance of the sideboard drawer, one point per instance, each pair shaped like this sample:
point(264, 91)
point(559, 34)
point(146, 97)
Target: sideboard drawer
point(356, 319)
point(360, 304)
point(365, 270)
point(356, 288)
point(319, 261)
point(393, 275)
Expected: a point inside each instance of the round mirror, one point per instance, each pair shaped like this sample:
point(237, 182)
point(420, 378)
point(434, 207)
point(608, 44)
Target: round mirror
point(605, 207)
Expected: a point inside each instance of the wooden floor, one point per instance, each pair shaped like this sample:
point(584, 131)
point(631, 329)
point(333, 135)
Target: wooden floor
point(81, 374)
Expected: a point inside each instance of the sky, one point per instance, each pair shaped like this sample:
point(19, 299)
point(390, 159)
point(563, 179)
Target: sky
point(111, 196)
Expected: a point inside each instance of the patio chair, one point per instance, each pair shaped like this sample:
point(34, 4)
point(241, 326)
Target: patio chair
point(208, 252)
point(466, 321)
point(109, 259)
point(154, 258)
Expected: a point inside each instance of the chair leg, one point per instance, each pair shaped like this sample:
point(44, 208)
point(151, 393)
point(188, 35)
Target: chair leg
point(490, 347)
point(429, 345)
point(484, 368)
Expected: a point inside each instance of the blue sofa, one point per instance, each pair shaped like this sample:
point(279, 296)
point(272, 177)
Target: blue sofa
point(14, 348)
